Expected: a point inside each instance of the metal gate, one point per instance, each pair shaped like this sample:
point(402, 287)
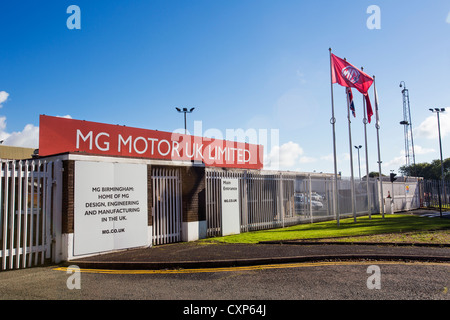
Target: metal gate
point(30, 212)
point(434, 193)
point(166, 210)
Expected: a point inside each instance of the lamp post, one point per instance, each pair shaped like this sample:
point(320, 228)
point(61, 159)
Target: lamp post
point(438, 111)
point(359, 163)
point(185, 110)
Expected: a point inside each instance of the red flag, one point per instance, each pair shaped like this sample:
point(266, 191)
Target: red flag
point(368, 107)
point(347, 75)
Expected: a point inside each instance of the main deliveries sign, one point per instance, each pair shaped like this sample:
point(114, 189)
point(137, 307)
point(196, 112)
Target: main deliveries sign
point(59, 135)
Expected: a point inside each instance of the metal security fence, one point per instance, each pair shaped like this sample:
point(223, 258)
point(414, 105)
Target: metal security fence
point(265, 200)
point(366, 197)
point(268, 201)
point(279, 199)
point(314, 198)
point(29, 218)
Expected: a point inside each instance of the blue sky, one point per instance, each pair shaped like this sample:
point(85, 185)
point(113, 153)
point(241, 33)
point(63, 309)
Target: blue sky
point(243, 64)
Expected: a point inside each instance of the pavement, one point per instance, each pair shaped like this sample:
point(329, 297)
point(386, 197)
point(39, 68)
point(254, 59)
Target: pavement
point(193, 255)
point(199, 254)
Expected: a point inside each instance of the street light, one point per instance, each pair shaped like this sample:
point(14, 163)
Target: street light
point(185, 110)
point(359, 163)
point(437, 111)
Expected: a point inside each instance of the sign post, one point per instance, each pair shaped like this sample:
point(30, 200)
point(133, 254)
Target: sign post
point(231, 222)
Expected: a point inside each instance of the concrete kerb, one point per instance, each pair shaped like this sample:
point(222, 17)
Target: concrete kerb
point(246, 262)
point(227, 263)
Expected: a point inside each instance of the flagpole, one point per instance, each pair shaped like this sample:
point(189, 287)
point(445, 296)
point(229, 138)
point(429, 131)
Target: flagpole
point(367, 154)
point(377, 126)
point(333, 122)
point(352, 181)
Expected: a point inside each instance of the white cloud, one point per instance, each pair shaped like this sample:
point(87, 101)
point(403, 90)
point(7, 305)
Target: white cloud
point(27, 138)
point(328, 157)
point(429, 127)
point(448, 18)
point(284, 157)
point(395, 163)
point(66, 116)
point(342, 157)
point(307, 160)
point(422, 150)
point(345, 156)
point(3, 134)
point(3, 97)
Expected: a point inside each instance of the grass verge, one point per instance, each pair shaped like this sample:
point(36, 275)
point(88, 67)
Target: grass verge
point(416, 237)
point(392, 224)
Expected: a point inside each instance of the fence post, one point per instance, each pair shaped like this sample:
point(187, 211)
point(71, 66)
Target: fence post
point(57, 212)
point(310, 197)
point(393, 199)
point(335, 189)
point(11, 212)
point(406, 194)
point(18, 212)
point(328, 198)
point(369, 203)
point(281, 199)
point(2, 227)
point(244, 204)
point(48, 209)
point(25, 214)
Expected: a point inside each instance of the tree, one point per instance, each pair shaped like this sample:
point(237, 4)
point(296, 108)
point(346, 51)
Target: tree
point(430, 171)
point(374, 174)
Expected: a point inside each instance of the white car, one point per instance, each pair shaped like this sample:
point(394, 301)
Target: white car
point(300, 200)
point(317, 197)
point(316, 205)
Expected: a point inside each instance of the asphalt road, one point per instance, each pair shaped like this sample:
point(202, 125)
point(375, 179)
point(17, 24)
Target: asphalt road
point(304, 281)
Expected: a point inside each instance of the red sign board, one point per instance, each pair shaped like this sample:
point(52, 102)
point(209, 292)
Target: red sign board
point(60, 135)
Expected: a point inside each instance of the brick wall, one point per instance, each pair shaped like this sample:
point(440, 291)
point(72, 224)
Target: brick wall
point(68, 196)
point(193, 193)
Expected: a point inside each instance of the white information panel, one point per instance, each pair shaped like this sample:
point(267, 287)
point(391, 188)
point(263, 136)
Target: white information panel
point(110, 208)
point(231, 223)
